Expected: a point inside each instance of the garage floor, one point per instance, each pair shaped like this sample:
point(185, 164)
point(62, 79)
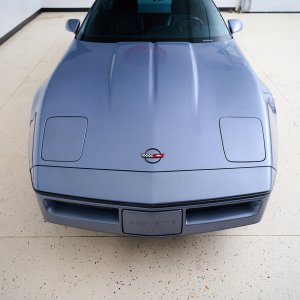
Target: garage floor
point(45, 261)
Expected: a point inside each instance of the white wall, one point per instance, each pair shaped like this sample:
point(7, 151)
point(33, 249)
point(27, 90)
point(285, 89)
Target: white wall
point(66, 3)
point(275, 5)
point(88, 3)
point(227, 3)
point(14, 12)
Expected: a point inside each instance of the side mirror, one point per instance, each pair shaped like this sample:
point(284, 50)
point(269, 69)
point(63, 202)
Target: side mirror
point(72, 25)
point(235, 25)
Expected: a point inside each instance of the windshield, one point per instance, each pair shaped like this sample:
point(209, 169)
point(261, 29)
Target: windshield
point(154, 20)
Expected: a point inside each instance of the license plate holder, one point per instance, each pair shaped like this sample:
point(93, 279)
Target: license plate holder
point(152, 223)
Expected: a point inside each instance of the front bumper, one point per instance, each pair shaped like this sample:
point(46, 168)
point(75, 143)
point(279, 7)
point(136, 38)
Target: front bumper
point(189, 219)
point(99, 200)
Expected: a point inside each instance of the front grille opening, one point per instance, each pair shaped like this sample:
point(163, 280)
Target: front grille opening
point(82, 211)
point(222, 212)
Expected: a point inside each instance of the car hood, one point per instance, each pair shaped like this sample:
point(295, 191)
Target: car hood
point(169, 96)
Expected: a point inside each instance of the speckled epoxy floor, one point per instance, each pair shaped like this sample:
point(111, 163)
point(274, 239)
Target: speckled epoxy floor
point(46, 261)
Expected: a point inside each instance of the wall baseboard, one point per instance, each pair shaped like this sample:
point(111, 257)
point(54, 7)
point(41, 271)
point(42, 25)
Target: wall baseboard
point(12, 32)
point(227, 8)
point(67, 9)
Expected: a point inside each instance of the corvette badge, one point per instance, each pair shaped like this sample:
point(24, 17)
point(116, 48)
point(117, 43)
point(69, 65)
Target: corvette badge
point(153, 156)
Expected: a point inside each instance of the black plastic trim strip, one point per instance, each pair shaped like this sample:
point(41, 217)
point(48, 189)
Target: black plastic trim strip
point(161, 205)
point(141, 171)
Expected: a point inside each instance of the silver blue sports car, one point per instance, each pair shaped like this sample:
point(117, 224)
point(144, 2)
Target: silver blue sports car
point(153, 123)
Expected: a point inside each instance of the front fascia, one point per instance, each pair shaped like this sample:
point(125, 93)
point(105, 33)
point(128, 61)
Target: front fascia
point(152, 188)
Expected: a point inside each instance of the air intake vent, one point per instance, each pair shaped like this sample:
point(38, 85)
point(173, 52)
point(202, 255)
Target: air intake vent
point(85, 212)
point(222, 212)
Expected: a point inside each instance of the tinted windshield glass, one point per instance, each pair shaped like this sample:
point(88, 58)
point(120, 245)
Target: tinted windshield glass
point(154, 20)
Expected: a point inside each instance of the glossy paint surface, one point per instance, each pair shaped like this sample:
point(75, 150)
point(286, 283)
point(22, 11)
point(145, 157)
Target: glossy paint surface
point(169, 96)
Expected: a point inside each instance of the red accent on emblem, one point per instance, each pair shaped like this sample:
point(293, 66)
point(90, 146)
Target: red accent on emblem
point(162, 155)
